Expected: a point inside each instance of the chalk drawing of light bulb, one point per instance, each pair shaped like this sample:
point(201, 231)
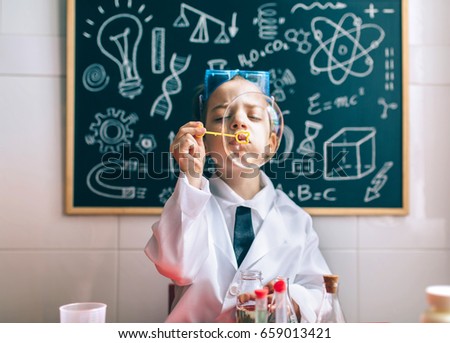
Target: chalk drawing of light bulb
point(118, 39)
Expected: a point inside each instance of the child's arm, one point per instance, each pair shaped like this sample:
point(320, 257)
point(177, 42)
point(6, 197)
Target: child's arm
point(180, 242)
point(188, 150)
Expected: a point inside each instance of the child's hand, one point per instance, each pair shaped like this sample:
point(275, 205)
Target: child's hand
point(188, 150)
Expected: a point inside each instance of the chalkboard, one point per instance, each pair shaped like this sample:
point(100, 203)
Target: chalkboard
point(338, 72)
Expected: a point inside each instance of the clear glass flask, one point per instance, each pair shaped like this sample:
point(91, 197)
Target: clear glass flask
point(281, 309)
point(330, 309)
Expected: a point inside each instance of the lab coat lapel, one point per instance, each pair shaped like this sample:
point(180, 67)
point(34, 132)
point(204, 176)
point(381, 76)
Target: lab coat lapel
point(222, 238)
point(271, 236)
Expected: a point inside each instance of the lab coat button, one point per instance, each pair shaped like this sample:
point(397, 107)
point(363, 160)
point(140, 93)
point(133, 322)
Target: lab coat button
point(234, 289)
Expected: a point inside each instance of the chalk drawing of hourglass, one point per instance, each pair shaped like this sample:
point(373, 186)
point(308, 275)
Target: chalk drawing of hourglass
point(118, 39)
point(307, 146)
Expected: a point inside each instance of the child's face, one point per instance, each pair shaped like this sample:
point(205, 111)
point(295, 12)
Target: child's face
point(246, 113)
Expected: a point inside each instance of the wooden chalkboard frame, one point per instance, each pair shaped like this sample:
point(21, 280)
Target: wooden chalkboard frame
point(71, 209)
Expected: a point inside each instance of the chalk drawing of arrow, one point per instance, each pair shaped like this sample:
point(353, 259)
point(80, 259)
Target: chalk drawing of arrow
point(378, 182)
point(233, 29)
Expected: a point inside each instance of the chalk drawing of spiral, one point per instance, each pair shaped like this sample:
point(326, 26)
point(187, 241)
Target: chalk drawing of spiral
point(95, 78)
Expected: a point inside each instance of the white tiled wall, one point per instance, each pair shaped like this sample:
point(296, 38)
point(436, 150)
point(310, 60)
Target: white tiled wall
point(47, 258)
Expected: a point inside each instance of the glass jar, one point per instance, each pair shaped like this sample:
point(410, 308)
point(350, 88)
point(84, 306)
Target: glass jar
point(438, 298)
point(245, 305)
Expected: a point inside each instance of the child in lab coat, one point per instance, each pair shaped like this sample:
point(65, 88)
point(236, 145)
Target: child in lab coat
point(192, 243)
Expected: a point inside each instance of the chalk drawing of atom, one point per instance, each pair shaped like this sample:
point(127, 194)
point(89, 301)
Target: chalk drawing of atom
point(343, 54)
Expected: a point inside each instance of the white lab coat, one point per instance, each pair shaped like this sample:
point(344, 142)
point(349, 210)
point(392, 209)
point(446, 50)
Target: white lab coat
point(192, 246)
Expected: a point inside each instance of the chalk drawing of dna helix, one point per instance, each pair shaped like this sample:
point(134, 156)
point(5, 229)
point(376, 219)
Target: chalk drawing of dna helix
point(171, 85)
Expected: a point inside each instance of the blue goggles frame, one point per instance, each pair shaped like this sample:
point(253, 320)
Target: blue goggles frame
point(214, 78)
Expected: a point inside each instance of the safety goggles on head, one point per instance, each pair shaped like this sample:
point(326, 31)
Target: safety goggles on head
point(214, 78)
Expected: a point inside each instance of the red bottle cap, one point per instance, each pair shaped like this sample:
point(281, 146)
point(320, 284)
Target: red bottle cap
point(280, 286)
point(261, 293)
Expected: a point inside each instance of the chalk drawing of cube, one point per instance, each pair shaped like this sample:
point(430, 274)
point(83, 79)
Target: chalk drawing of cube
point(349, 154)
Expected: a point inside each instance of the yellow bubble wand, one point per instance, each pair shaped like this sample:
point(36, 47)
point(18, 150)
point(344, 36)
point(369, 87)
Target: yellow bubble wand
point(242, 137)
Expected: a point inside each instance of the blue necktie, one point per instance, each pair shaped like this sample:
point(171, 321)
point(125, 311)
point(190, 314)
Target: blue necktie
point(243, 233)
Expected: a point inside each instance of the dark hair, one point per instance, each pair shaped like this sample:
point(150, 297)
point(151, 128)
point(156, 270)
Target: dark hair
point(198, 109)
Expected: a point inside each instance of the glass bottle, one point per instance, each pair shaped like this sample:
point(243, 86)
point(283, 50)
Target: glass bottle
point(438, 298)
point(245, 305)
point(281, 309)
point(330, 309)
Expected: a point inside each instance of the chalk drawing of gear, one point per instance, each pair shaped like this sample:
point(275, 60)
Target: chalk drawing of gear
point(111, 130)
point(98, 177)
point(303, 46)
